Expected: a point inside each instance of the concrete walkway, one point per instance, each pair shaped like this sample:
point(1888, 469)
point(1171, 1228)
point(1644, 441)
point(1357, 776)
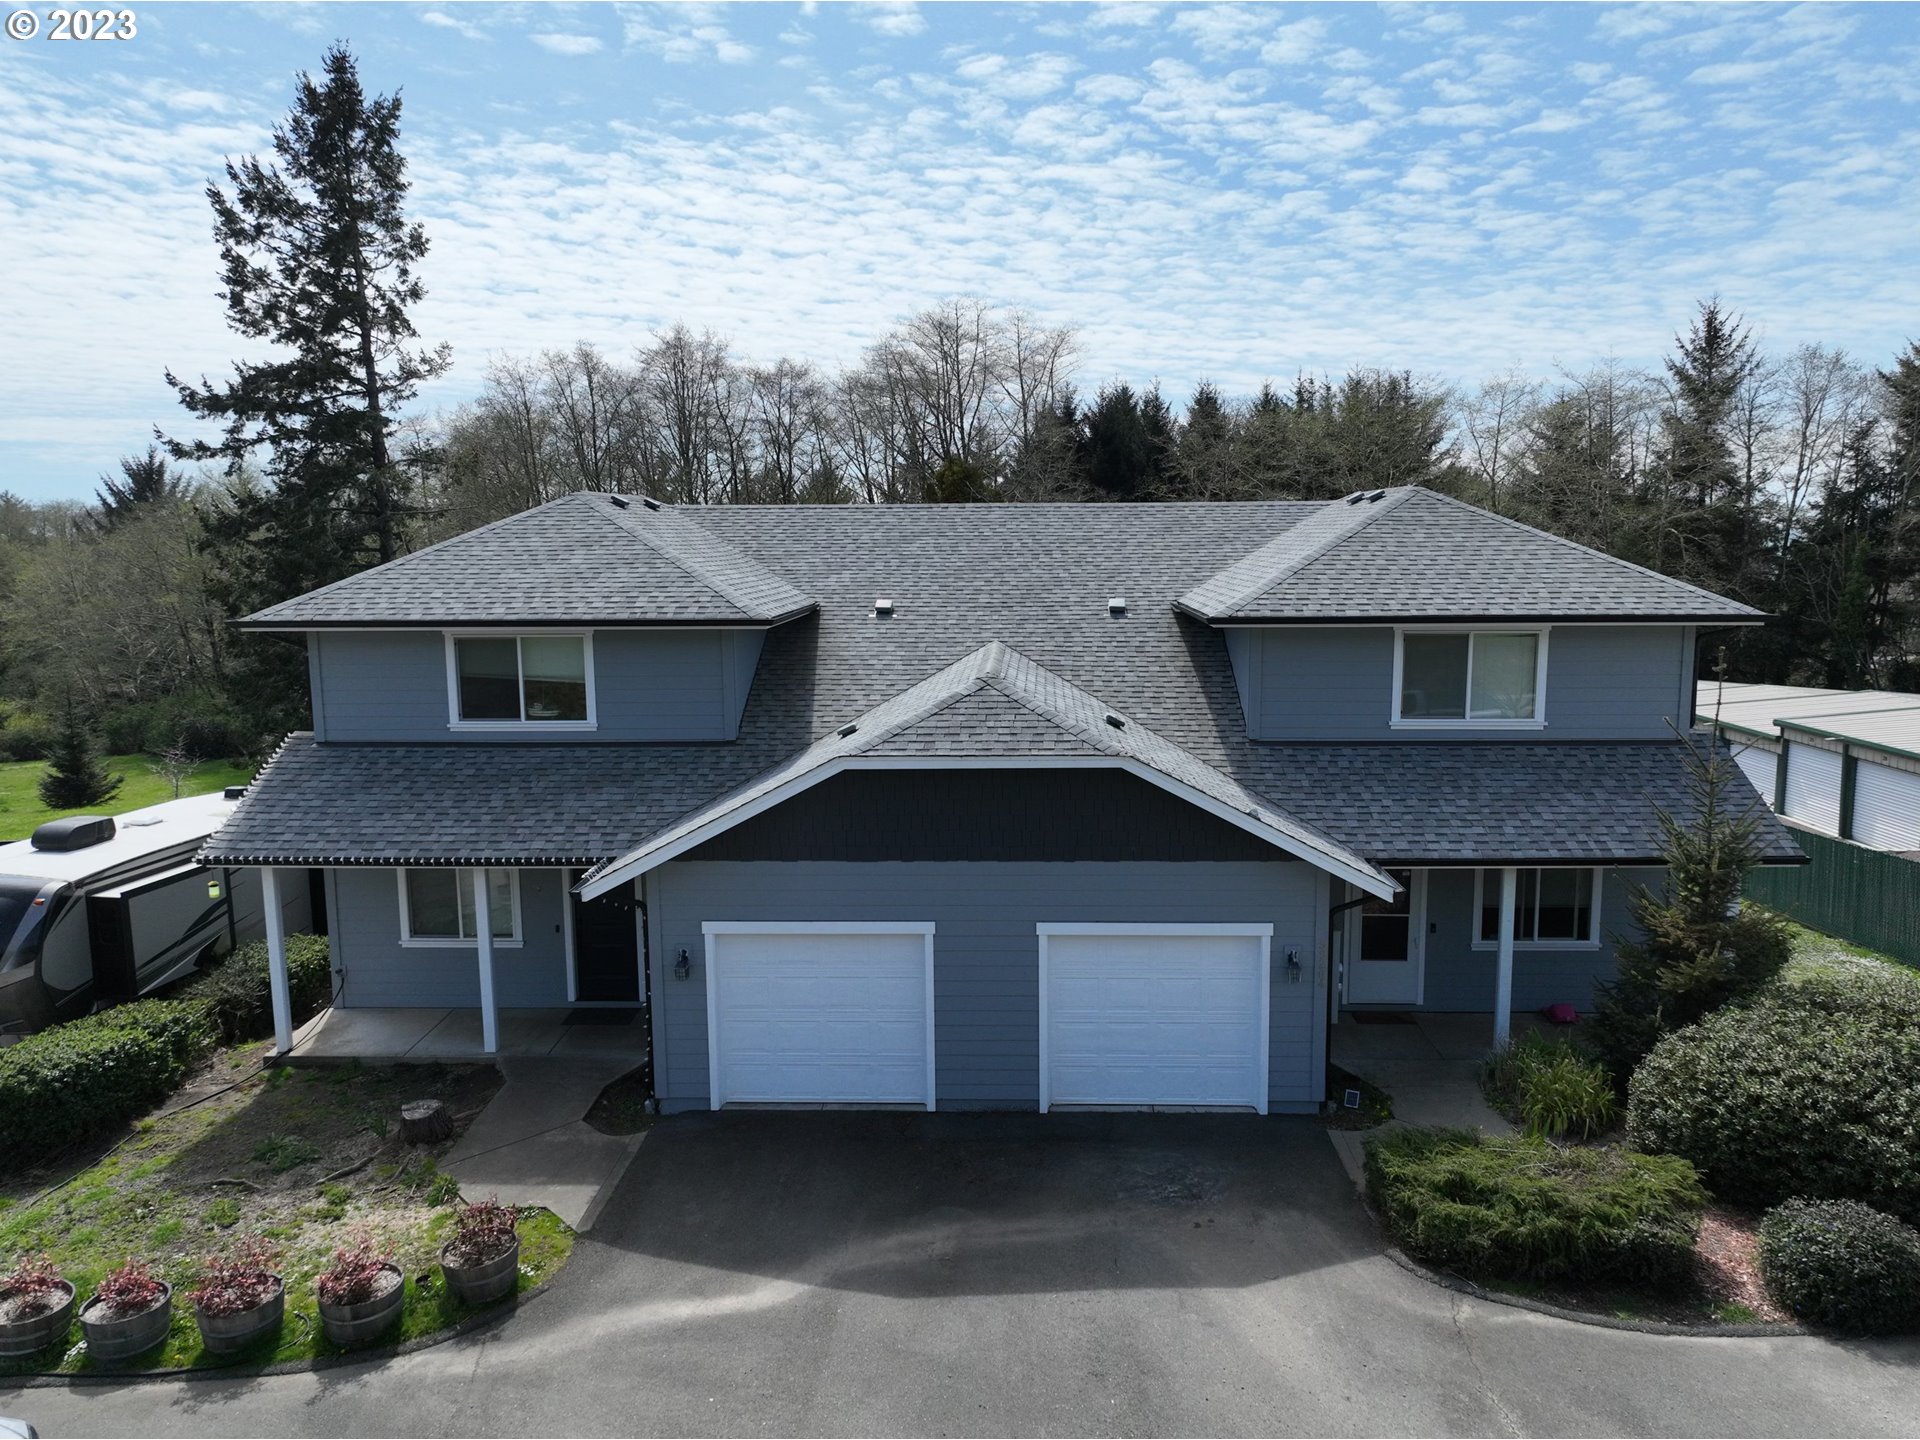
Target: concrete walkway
point(531, 1146)
point(377, 1035)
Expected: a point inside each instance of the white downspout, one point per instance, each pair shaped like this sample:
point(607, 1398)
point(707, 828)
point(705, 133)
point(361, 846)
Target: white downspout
point(483, 932)
point(1503, 970)
point(277, 961)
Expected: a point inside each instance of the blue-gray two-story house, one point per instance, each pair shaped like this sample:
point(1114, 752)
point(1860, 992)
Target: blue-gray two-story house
point(990, 806)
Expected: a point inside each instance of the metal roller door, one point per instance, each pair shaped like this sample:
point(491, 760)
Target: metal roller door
point(1761, 767)
point(1886, 806)
point(1813, 787)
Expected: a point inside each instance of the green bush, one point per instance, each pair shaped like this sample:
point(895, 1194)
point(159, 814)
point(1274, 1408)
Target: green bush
point(75, 1080)
point(1521, 1208)
point(197, 723)
point(1842, 1265)
point(24, 734)
point(238, 995)
point(1813, 1091)
point(1550, 1086)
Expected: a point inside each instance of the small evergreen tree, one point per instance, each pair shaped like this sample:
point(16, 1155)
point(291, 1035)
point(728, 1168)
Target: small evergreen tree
point(75, 776)
point(1698, 947)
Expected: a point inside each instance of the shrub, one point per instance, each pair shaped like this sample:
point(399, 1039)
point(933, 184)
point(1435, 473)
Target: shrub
point(242, 1279)
point(354, 1275)
point(1842, 1265)
point(1520, 1208)
point(33, 1287)
point(24, 734)
point(1813, 1092)
point(481, 1232)
point(130, 1290)
point(238, 995)
point(1698, 947)
point(1550, 1087)
point(75, 1080)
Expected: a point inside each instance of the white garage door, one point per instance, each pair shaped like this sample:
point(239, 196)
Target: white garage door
point(1813, 787)
point(1153, 1015)
point(1886, 807)
point(820, 1014)
point(1761, 767)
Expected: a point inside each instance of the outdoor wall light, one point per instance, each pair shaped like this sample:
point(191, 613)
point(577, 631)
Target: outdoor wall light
point(1293, 967)
point(683, 967)
point(213, 887)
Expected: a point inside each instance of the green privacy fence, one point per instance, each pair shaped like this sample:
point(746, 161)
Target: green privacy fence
point(1870, 897)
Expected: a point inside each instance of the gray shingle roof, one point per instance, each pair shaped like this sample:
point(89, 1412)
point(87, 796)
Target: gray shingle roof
point(1413, 554)
point(1035, 578)
point(994, 704)
point(581, 558)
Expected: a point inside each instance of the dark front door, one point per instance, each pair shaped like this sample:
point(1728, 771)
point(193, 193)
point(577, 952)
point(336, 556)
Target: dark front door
point(606, 948)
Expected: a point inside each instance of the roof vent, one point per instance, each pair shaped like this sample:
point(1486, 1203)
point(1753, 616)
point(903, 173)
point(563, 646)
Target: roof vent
point(1117, 605)
point(233, 792)
point(1115, 721)
point(845, 730)
point(619, 502)
point(882, 605)
point(1356, 497)
point(1376, 495)
point(649, 502)
point(76, 832)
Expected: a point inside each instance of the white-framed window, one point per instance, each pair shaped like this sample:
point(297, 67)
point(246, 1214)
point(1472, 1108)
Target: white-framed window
point(534, 681)
point(1554, 908)
point(436, 906)
point(1470, 679)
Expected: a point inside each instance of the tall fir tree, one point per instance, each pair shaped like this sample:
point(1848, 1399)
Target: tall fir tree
point(1701, 512)
point(144, 480)
point(76, 777)
point(318, 260)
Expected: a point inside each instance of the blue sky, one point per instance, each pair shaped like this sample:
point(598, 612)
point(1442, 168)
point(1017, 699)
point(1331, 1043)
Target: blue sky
point(1230, 192)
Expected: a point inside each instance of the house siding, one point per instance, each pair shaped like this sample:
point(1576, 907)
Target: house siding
point(391, 686)
point(1604, 682)
point(986, 953)
point(374, 969)
point(1461, 978)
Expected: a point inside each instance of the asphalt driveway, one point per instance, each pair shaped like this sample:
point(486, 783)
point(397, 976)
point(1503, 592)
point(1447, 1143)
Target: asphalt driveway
point(832, 1273)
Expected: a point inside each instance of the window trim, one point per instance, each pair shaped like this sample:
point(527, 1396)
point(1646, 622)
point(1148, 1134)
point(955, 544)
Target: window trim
point(1397, 721)
point(523, 725)
point(1592, 942)
point(464, 876)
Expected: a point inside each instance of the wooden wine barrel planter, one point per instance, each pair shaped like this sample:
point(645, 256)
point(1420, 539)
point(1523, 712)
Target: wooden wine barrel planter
point(350, 1325)
point(36, 1332)
point(111, 1340)
point(486, 1282)
point(224, 1334)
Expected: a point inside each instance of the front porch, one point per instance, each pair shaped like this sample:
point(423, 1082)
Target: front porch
point(1429, 1063)
point(457, 1033)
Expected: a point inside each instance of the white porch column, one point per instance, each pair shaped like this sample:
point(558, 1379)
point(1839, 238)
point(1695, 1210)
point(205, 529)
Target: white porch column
point(277, 960)
point(1503, 969)
point(483, 930)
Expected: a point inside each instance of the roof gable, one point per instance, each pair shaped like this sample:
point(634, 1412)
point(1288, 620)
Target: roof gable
point(1413, 554)
point(997, 706)
point(586, 558)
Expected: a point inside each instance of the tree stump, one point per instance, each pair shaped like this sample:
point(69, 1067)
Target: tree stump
point(422, 1122)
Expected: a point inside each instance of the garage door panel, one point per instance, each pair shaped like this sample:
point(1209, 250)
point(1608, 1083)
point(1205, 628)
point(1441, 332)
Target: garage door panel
point(814, 1018)
point(1155, 1019)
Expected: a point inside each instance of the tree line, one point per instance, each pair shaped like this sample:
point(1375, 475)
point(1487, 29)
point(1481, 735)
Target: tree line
point(1787, 480)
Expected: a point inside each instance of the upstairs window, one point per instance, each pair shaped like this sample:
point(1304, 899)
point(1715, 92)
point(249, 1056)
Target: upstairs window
point(1552, 909)
point(1471, 677)
point(436, 907)
point(521, 680)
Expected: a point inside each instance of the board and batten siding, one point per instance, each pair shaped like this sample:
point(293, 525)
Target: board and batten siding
point(375, 969)
point(1335, 683)
point(1460, 978)
point(986, 953)
point(649, 685)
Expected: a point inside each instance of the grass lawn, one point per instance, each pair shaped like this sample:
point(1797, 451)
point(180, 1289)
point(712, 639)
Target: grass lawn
point(1816, 953)
point(308, 1158)
point(141, 785)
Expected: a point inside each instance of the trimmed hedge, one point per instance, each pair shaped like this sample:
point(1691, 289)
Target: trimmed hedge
point(239, 996)
point(1842, 1265)
point(1812, 1092)
point(78, 1079)
point(1519, 1208)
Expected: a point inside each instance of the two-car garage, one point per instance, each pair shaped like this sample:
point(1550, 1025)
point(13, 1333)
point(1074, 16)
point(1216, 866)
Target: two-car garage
point(1128, 1014)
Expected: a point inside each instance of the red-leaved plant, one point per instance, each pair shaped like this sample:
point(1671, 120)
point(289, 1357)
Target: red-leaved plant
point(133, 1289)
point(242, 1279)
point(354, 1275)
point(32, 1287)
point(481, 1232)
